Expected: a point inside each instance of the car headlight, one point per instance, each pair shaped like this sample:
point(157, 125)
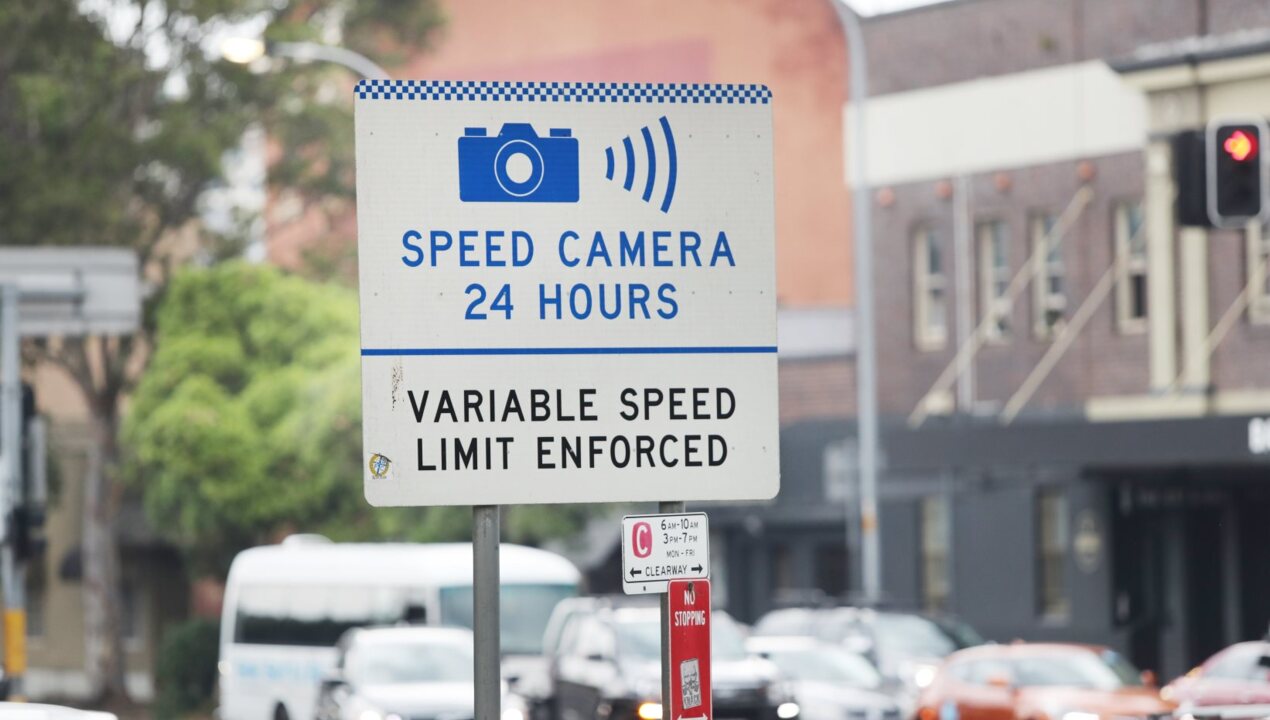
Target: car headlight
point(649, 711)
point(924, 675)
point(787, 710)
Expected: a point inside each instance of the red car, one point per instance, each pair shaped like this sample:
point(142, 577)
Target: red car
point(1238, 675)
point(1040, 681)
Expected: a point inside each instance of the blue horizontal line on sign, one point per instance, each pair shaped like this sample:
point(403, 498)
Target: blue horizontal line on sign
point(674, 350)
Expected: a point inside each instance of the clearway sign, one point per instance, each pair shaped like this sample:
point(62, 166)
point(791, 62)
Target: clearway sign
point(657, 549)
point(567, 292)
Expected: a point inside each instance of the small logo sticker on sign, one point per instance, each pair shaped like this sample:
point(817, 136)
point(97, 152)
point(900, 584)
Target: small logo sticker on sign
point(379, 466)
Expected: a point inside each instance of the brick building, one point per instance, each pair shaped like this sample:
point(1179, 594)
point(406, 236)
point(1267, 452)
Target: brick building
point(1071, 386)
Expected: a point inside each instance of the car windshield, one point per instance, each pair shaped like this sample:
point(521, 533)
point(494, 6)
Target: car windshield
point(640, 637)
point(408, 661)
point(1091, 670)
point(785, 622)
point(824, 664)
point(523, 612)
point(912, 635)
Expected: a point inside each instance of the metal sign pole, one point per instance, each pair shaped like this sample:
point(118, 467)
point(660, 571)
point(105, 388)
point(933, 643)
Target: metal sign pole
point(665, 507)
point(11, 575)
point(485, 532)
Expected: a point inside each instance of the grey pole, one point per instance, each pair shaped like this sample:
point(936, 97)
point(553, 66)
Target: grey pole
point(866, 349)
point(309, 52)
point(665, 507)
point(485, 531)
point(10, 418)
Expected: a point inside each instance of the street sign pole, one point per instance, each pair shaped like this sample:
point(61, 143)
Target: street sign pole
point(10, 419)
point(485, 539)
point(689, 695)
point(666, 507)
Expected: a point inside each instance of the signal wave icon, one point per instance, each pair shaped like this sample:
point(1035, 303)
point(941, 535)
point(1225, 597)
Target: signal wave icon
point(630, 165)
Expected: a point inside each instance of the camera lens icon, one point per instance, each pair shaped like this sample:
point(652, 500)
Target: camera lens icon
point(518, 165)
point(518, 168)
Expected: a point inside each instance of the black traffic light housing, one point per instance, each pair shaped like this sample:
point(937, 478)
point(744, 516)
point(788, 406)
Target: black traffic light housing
point(1236, 170)
point(1191, 179)
point(26, 517)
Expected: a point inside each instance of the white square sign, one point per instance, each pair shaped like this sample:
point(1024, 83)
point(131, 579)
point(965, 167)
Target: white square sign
point(659, 548)
point(567, 292)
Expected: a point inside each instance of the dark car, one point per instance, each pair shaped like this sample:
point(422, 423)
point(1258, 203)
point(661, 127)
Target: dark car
point(1238, 675)
point(605, 665)
point(904, 646)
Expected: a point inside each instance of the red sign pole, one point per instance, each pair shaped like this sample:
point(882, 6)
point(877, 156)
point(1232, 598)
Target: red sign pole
point(689, 632)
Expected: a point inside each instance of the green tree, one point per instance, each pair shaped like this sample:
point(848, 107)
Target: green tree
point(114, 118)
point(247, 424)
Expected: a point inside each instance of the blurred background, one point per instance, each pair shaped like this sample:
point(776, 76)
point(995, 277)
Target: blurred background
point(1073, 383)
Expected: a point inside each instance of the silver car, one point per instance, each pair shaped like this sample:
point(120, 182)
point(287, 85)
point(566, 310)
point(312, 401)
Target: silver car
point(35, 711)
point(402, 673)
point(830, 682)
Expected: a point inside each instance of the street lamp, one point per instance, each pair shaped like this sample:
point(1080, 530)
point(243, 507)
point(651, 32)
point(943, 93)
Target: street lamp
point(244, 50)
point(866, 346)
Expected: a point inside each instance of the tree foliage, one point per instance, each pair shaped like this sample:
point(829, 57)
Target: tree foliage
point(115, 116)
point(247, 424)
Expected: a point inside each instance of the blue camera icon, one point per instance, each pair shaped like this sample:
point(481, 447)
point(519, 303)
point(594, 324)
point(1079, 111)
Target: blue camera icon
point(518, 165)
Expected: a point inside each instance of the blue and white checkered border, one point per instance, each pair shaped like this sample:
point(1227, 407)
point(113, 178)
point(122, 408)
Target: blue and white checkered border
point(455, 90)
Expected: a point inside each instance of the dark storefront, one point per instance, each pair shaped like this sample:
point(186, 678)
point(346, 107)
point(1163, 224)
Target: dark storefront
point(1153, 537)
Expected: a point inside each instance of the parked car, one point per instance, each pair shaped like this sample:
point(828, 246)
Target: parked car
point(904, 646)
point(1039, 681)
point(1238, 675)
point(606, 665)
point(396, 673)
point(829, 682)
point(35, 711)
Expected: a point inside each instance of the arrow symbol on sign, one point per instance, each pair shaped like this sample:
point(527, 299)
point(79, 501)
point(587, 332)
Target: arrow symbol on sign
point(635, 572)
point(696, 569)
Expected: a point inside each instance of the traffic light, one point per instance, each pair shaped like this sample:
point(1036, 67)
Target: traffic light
point(26, 515)
point(1236, 171)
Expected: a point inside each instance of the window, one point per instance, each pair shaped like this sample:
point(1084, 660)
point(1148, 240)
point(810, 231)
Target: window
point(1049, 283)
point(994, 279)
point(986, 672)
point(839, 462)
point(314, 616)
point(1131, 268)
point(131, 611)
point(1259, 273)
point(596, 640)
point(782, 567)
point(523, 612)
point(1052, 532)
point(831, 569)
point(1236, 663)
point(934, 530)
point(930, 324)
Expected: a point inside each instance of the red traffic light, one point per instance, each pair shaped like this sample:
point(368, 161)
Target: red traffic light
point(1240, 146)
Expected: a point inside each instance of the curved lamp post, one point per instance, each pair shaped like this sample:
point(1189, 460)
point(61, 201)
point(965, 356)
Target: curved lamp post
point(247, 50)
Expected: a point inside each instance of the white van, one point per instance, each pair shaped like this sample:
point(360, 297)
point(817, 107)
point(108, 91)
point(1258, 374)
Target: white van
point(287, 605)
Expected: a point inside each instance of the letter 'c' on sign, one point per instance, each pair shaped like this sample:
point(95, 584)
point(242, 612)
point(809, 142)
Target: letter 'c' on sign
point(642, 539)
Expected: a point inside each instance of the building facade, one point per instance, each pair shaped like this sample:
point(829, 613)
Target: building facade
point(1073, 388)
